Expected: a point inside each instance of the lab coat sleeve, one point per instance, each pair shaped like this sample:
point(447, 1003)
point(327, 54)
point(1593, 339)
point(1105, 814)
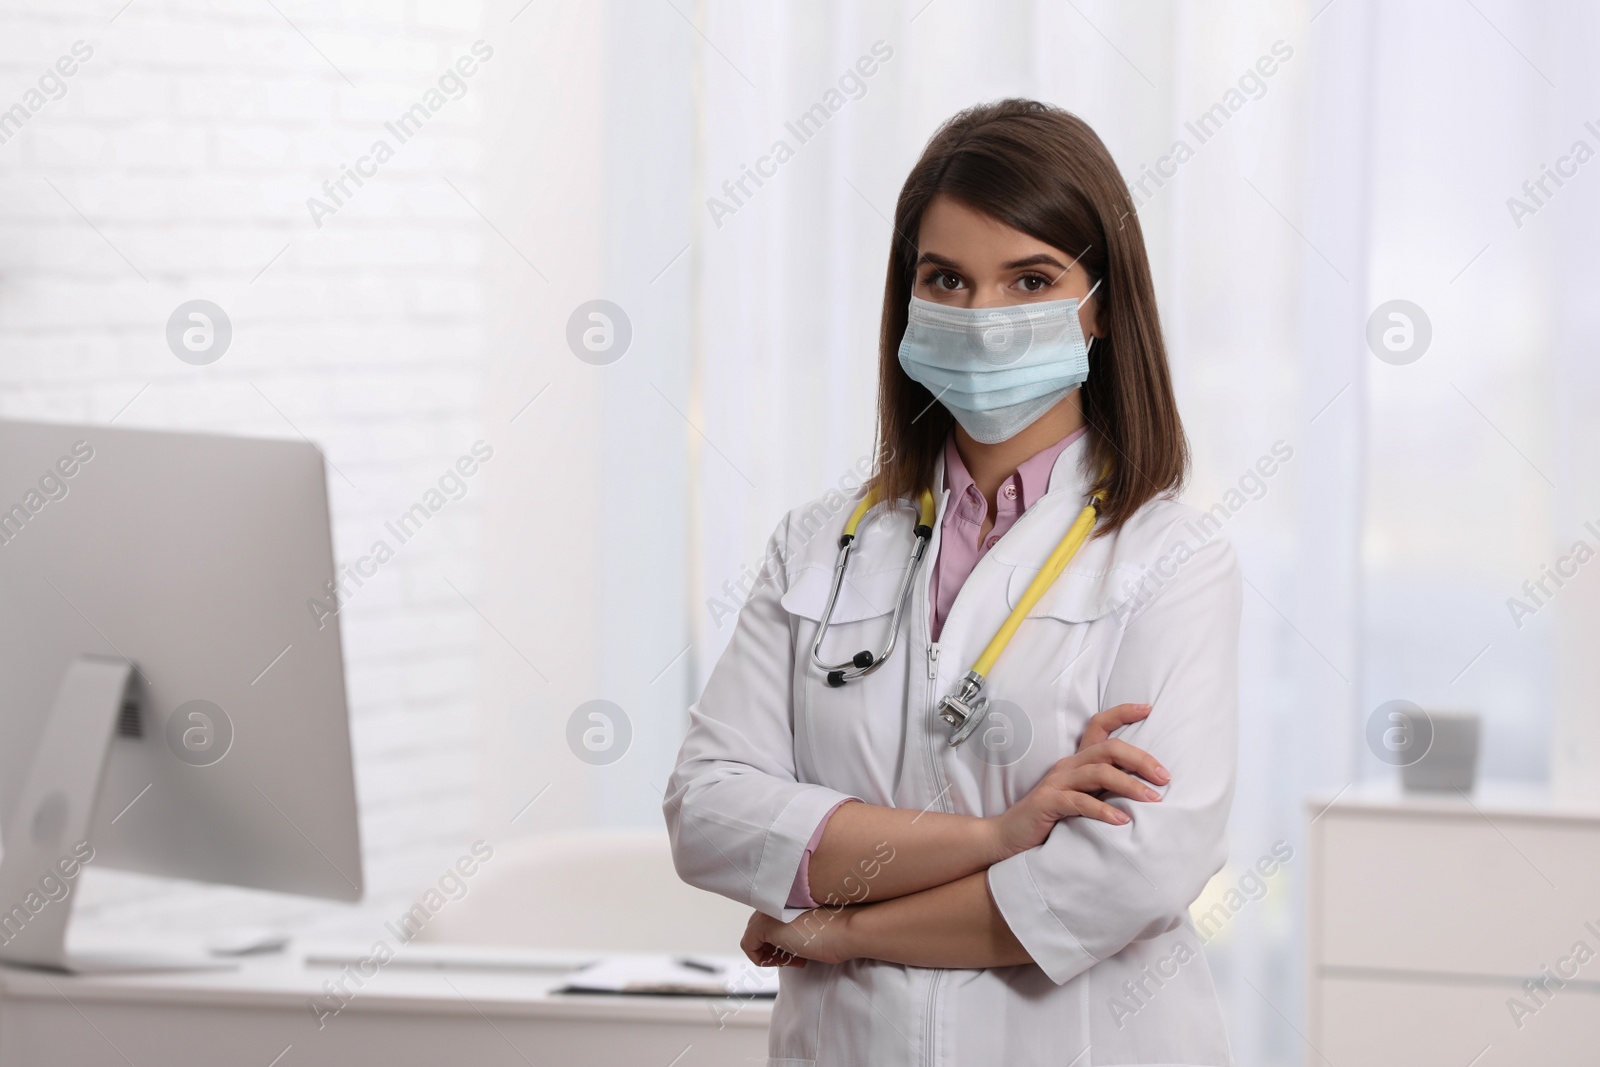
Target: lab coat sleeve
point(738, 817)
point(1092, 888)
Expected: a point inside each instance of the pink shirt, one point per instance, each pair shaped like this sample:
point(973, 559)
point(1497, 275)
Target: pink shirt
point(959, 552)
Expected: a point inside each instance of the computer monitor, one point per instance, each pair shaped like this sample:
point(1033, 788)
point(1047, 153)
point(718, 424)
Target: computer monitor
point(172, 692)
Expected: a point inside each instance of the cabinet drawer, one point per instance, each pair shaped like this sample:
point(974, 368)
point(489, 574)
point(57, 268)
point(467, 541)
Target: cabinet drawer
point(1453, 894)
point(1376, 1023)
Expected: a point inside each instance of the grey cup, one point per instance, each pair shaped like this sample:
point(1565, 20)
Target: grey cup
point(1451, 762)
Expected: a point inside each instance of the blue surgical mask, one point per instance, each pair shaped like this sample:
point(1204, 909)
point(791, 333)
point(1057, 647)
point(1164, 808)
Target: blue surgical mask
point(997, 369)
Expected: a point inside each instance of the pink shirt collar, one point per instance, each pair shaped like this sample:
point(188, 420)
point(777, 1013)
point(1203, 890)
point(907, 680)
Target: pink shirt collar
point(1032, 477)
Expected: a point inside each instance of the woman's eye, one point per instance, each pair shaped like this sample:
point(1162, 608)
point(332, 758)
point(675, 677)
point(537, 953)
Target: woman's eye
point(1032, 283)
point(943, 280)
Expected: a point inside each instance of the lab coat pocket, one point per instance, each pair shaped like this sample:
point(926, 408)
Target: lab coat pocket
point(803, 994)
point(1077, 596)
point(845, 736)
point(1058, 661)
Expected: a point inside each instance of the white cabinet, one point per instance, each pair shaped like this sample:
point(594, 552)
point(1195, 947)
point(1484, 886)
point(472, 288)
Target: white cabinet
point(1453, 930)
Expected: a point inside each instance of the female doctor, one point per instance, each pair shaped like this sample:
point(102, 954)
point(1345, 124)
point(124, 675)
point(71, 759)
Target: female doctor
point(946, 848)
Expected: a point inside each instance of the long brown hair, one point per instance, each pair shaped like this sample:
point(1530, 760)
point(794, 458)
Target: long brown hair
point(1043, 171)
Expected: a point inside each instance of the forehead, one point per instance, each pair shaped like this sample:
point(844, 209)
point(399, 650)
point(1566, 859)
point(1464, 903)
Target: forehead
point(955, 230)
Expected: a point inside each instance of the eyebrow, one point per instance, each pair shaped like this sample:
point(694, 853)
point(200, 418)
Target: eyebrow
point(1036, 260)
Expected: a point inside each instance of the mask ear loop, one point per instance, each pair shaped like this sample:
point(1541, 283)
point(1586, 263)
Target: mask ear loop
point(1090, 346)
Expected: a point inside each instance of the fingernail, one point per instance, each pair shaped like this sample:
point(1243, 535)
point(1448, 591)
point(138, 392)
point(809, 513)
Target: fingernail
point(1120, 815)
point(1162, 772)
point(1151, 794)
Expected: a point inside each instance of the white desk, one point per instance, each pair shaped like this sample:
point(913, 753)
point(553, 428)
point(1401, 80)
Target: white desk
point(1429, 913)
point(405, 1014)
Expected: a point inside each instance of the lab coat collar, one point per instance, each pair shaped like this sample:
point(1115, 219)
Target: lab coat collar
point(1069, 473)
point(1040, 527)
point(1095, 582)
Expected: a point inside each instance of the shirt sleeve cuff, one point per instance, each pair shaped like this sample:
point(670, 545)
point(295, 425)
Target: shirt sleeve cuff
point(1053, 947)
point(786, 845)
point(800, 893)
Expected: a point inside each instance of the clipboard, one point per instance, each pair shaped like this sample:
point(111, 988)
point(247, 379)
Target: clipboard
point(674, 976)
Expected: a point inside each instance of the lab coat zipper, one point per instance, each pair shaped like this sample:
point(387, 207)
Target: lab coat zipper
point(925, 624)
point(930, 1029)
point(941, 800)
point(935, 979)
point(931, 737)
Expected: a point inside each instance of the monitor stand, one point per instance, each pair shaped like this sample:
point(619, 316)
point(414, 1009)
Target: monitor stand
point(47, 835)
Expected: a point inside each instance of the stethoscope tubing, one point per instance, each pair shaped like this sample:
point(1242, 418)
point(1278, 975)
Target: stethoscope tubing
point(966, 707)
point(865, 662)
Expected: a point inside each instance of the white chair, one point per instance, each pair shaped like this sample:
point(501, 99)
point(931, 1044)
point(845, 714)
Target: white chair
point(600, 890)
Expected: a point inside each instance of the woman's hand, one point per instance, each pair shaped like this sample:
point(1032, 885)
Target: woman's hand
point(1071, 787)
point(1101, 725)
point(821, 934)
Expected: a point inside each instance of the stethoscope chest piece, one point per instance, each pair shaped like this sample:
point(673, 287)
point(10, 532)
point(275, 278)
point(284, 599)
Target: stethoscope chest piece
point(965, 709)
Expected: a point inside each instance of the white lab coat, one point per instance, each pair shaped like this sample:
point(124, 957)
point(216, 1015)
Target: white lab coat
point(1150, 615)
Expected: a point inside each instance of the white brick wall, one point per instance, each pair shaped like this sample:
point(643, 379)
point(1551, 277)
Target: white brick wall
point(190, 141)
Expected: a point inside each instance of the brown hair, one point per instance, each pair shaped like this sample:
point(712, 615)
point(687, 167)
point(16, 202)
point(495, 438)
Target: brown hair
point(1043, 171)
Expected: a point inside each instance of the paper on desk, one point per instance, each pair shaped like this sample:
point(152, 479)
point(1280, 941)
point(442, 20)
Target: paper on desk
point(717, 976)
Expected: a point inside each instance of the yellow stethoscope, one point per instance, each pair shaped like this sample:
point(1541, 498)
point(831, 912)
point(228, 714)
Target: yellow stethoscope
point(965, 708)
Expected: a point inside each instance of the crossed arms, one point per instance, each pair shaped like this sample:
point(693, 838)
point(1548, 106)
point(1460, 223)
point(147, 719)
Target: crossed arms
point(911, 887)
